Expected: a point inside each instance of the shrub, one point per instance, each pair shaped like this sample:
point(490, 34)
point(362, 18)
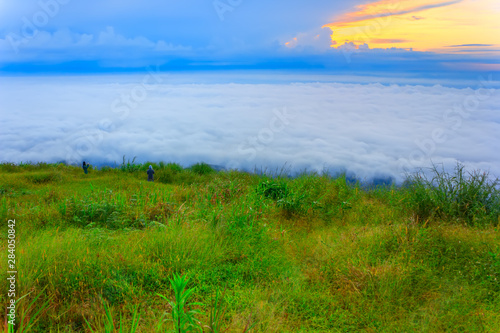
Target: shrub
point(273, 189)
point(173, 167)
point(202, 169)
point(290, 202)
point(167, 172)
point(164, 176)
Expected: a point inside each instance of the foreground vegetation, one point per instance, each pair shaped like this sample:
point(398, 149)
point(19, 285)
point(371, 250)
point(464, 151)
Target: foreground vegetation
point(201, 250)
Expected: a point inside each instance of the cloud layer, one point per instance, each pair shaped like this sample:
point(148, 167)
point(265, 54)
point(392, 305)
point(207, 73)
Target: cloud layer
point(370, 129)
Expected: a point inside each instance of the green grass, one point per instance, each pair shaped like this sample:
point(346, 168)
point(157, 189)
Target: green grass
point(312, 253)
point(472, 197)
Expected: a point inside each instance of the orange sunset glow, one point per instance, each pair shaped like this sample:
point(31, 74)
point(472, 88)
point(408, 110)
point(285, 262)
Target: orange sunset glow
point(463, 26)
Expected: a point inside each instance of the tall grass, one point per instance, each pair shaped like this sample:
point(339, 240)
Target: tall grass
point(27, 316)
point(111, 327)
point(311, 253)
point(471, 197)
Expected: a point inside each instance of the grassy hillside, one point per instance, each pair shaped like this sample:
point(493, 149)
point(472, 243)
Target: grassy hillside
point(262, 254)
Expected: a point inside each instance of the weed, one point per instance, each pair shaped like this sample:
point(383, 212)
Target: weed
point(168, 173)
point(109, 325)
point(217, 312)
point(184, 321)
point(130, 166)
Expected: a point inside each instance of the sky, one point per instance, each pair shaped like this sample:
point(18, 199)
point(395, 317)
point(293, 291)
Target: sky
point(418, 37)
point(376, 88)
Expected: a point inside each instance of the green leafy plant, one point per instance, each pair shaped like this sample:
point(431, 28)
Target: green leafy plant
point(345, 206)
point(273, 189)
point(290, 202)
point(167, 173)
point(184, 319)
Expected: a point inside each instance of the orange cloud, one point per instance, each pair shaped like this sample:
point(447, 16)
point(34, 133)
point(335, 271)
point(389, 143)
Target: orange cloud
point(423, 25)
point(386, 8)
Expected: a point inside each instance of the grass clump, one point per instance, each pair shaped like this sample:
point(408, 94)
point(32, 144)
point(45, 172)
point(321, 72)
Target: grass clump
point(290, 202)
point(468, 197)
point(102, 214)
point(273, 189)
point(111, 327)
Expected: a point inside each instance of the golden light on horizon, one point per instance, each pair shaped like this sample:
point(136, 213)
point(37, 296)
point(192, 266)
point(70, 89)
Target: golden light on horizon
point(422, 25)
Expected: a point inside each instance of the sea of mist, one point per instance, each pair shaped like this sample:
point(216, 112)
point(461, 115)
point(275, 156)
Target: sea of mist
point(369, 127)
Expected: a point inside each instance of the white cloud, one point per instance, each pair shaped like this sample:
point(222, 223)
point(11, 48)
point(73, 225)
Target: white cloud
point(110, 38)
point(71, 45)
point(369, 129)
point(317, 40)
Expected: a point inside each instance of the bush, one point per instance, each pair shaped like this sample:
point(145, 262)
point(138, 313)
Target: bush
point(469, 196)
point(202, 169)
point(164, 176)
point(291, 203)
point(167, 173)
point(273, 189)
point(173, 167)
